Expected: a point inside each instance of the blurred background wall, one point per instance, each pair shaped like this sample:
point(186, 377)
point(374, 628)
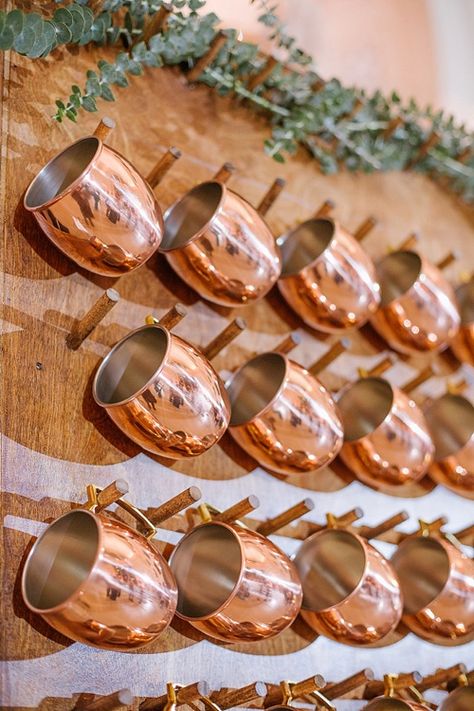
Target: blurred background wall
point(421, 48)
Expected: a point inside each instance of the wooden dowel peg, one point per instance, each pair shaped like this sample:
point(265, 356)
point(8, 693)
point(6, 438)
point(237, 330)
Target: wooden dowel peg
point(430, 142)
point(157, 22)
point(298, 690)
point(92, 318)
point(397, 683)
point(238, 510)
point(393, 124)
point(184, 695)
point(349, 518)
point(466, 535)
point(378, 369)
point(170, 508)
point(334, 352)
point(387, 525)
point(263, 74)
point(270, 196)
point(104, 128)
point(171, 318)
point(230, 698)
point(287, 344)
point(274, 524)
point(214, 48)
point(325, 210)
point(341, 688)
point(224, 173)
point(409, 243)
point(427, 528)
point(364, 228)
point(117, 700)
point(447, 260)
point(112, 493)
point(419, 379)
point(156, 175)
point(440, 677)
point(225, 337)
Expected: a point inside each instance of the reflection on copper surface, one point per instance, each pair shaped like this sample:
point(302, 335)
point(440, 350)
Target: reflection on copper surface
point(234, 584)
point(463, 342)
point(450, 419)
point(388, 703)
point(219, 245)
point(94, 206)
point(461, 699)
point(99, 582)
point(418, 310)
point(162, 393)
point(437, 581)
point(386, 439)
point(350, 592)
point(327, 278)
point(283, 416)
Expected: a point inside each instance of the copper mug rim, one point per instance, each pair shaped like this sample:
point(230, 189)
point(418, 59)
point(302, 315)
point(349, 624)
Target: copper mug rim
point(450, 702)
point(71, 185)
point(392, 703)
point(281, 241)
point(371, 380)
point(463, 434)
point(413, 277)
point(113, 353)
point(465, 303)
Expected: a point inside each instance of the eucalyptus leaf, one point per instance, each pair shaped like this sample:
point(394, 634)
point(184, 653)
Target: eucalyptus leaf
point(15, 20)
point(6, 38)
point(89, 104)
point(24, 42)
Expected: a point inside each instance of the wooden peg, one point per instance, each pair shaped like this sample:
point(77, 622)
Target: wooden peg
point(465, 154)
point(378, 369)
point(466, 535)
point(112, 493)
point(263, 74)
point(105, 126)
point(224, 173)
point(341, 688)
point(287, 344)
point(427, 528)
point(387, 525)
point(171, 318)
point(343, 521)
point(392, 126)
point(326, 208)
point(448, 259)
point(424, 149)
point(298, 689)
point(334, 352)
point(230, 698)
point(440, 677)
point(238, 510)
point(117, 700)
point(156, 175)
point(214, 48)
point(170, 508)
point(184, 695)
point(225, 337)
point(364, 228)
point(92, 318)
point(157, 22)
point(409, 243)
point(274, 524)
point(270, 196)
point(419, 379)
point(397, 682)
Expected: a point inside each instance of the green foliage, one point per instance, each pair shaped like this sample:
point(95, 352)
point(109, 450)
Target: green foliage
point(339, 126)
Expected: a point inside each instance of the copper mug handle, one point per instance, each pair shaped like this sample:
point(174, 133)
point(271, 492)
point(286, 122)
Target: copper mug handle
point(149, 529)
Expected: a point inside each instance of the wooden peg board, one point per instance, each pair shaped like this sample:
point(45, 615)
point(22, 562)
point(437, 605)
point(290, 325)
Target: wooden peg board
point(56, 440)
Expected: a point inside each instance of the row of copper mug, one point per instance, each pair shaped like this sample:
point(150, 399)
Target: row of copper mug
point(99, 211)
point(99, 581)
point(164, 394)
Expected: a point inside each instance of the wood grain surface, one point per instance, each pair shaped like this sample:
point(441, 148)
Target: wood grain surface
point(56, 439)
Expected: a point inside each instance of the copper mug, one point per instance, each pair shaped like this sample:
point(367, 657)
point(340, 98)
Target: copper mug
point(283, 416)
point(234, 584)
point(96, 208)
point(350, 591)
point(391, 703)
point(450, 419)
point(219, 245)
point(461, 699)
point(437, 581)
point(162, 393)
point(387, 443)
point(418, 311)
point(463, 342)
point(327, 278)
point(98, 581)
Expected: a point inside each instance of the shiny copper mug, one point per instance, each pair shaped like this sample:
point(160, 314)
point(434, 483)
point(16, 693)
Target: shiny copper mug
point(96, 208)
point(437, 581)
point(418, 311)
point(327, 278)
point(98, 581)
point(350, 591)
point(450, 419)
point(461, 699)
point(391, 703)
point(283, 416)
point(234, 584)
point(463, 342)
point(162, 393)
point(219, 245)
point(387, 443)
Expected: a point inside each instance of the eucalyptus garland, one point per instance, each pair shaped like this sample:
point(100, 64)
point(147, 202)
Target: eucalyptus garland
point(340, 126)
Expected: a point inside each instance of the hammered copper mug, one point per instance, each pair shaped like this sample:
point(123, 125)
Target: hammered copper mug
point(219, 245)
point(461, 699)
point(283, 416)
point(162, 393)
point(463, 342)
point(418, 311)
point(327, 278)
point(98, 581)
point(96, 208)
point(437, 581)
point(234, 584)
point(450, 419)
point(387, 443)
point(350, 592)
